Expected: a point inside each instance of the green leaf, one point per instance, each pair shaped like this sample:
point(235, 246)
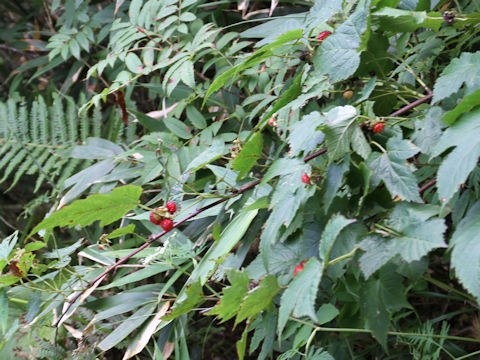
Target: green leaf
point(342, 132)
point(397, 20)
point(459, 163)
point(392, 168)
point(33, 246)
point(333, 181)
point(378, 298)
point(104, 207)
point(129, 229)
point(303, 134)
point(326, 313)
point(134, 64)
point(196, 117)
point(463, 70)
point(242, 344)
point(232, 295)
point(136, 276)
point(428, 132)
point(258, 299)
point(467, 104)
point(333, 228)
point(301, 294)
point(228, 239)
point(417, 237)
point(339, 54)
point(248, 156)
point(257, 57)
point(3, 310)
point(466, 250)
point(212, 153)
point(194, 296)
point(177, 127)
point(186, 74)
point(127, 327)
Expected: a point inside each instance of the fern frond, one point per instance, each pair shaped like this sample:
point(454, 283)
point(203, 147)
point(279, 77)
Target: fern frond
point(34, 139)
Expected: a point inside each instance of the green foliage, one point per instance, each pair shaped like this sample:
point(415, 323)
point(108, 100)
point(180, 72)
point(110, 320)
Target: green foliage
point(148, 101)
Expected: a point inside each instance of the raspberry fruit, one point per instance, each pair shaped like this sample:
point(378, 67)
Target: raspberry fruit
point(298, 269)
point(323, 35)
point(378, 127)
point(306, 179)
point(171, 207)
point(167, 224)
point(155, 218)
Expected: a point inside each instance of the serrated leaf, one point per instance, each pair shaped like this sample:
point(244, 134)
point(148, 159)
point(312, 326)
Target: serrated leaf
point(248, 156)
point(232, 295)
point(428, 132)
point(391, 167)
point(33, 246)
point(463, 70)
point(303, 134)
point(194, 296)
point(341, 133)
point(466, 250)
point(418, 235)
point(333, 228)
point(134, 64)
point(258, 299)
point(196, 117)
point(398, 20)
point(339, 54)
point(467, 104)
point(104, 207)
point(333, 181)
point(378, 298)
point(454, 170)
point(300, 295)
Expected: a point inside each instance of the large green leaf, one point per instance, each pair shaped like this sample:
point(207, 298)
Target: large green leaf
point(194, 296)
point(300, 295)
point(248, 156)
point(228, 239)
point(257, 57)
point(342, 132)
point(104, 207)
point(303, 134)
point(397, 20)
point(232, 295)
point(339, 54)
point(466, 251)
point(391, 167)
point(467, 104)
point(417, 236)
point(428, 131)
point(378, 298)
point(258, 299)
point(333, 228)
point(454, 170)
point(127, 327)
point(463, 70)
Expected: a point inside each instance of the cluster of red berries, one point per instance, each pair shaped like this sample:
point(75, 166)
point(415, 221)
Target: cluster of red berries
point(158, 219)
point(306, 179)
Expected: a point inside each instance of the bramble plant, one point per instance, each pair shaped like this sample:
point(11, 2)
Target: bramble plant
point(115, 114)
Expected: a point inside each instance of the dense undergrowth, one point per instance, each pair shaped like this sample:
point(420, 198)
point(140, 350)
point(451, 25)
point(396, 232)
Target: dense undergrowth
point(322, 156)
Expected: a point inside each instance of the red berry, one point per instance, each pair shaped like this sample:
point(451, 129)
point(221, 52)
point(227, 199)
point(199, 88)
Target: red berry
point(155, 218)
point(167, 224)
point(171, 206)
point(298, 269)
point(378, 127)
point(306, 179)
point(323, 35)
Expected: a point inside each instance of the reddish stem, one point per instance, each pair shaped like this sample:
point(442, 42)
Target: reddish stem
point(427, 186)
point(153, 239)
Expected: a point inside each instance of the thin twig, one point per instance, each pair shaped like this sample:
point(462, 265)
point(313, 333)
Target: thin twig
point(427, 186)
point(152, 239)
